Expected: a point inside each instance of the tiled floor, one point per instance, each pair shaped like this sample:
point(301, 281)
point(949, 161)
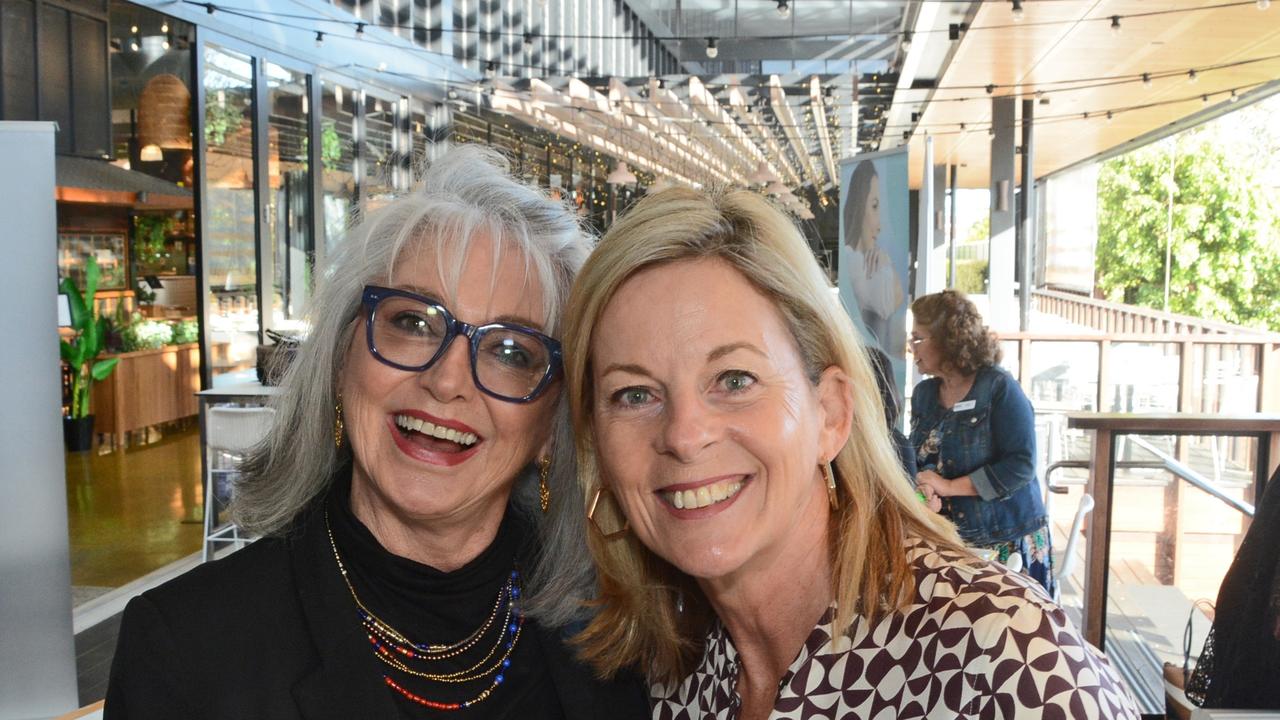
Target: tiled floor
point(132, 512)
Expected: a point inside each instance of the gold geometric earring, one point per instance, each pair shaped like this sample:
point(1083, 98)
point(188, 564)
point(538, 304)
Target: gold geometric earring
point(591, 516)
point(544, 492)
point(337, 424)
point(829, 475)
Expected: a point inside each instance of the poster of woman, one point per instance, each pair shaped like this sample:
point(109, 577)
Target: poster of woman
point(872, 266)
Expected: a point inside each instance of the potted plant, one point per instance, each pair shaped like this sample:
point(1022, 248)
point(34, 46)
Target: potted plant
point(80, 353)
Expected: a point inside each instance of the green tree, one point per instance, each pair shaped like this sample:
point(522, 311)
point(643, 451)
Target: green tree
point(1225, 260)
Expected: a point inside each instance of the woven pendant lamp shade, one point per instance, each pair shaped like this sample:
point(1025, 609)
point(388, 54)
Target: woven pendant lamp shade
point(164, 113)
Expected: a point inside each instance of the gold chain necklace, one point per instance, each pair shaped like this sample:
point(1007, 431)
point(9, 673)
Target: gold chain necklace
point(394, 649)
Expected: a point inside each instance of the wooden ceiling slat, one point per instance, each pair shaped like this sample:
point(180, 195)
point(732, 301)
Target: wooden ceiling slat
point(1083, 45)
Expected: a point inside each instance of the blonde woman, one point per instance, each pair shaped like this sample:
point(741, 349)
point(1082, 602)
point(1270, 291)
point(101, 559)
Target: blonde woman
point(758, 552)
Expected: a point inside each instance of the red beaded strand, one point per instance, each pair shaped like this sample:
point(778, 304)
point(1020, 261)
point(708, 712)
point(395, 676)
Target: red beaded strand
point(387, 642)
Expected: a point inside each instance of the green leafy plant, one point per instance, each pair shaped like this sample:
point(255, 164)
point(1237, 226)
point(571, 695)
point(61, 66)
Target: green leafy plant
point(81, 352)
point(144, 334)
point(149, 235)
point(186, 331)
point(221, 120)
point(330, 145)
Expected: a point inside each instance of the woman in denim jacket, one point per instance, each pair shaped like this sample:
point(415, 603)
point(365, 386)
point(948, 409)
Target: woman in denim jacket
point(974, 434)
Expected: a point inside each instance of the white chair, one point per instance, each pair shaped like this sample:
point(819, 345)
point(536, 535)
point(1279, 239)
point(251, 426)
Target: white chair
point(1073, 539)
point(230, 430)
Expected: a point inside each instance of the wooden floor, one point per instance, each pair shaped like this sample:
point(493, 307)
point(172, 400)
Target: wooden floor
point(134, 511)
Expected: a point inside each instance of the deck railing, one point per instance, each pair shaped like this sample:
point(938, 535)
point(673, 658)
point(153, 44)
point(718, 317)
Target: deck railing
point(1118, 318)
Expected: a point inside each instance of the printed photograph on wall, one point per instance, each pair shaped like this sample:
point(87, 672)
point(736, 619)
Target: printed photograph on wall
point(872, 267)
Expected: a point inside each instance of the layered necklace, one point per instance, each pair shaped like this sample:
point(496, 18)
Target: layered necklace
point(423, 660)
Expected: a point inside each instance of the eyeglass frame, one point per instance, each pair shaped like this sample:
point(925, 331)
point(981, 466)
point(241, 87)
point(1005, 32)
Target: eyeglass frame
point(373, 295)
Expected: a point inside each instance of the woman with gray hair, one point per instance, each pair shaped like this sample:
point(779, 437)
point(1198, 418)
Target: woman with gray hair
point(422, 536)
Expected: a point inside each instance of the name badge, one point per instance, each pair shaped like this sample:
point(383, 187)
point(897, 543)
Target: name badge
point(962, 406)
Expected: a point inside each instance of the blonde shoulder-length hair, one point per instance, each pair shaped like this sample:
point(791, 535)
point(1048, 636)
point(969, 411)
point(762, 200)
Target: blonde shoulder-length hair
point(637, 621)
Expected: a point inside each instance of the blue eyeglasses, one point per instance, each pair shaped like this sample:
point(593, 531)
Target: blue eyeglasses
point(411, 332)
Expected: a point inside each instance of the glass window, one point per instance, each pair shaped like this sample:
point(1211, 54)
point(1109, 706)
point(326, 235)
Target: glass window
point(288, 206)
point(230, 260)
point(337, 155)
point(378, 158)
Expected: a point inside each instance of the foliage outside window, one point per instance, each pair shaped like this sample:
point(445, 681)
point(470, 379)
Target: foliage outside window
point(1205, 197)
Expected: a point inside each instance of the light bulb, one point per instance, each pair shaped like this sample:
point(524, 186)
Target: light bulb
point(1146, 80)
point(319, 39)
point(1017, 10)
point(784, 8)
point(712, 50)
point(1115, 25)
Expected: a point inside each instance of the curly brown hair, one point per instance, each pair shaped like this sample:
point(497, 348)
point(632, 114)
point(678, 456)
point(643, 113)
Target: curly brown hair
point(956, 326)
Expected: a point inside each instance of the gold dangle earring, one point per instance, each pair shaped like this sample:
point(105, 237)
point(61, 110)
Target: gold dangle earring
point(337, 424)
point(544, 492)
point(830, 476)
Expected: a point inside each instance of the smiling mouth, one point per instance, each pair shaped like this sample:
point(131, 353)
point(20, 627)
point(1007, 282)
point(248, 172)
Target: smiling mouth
point(703, 496)
point(436, 438)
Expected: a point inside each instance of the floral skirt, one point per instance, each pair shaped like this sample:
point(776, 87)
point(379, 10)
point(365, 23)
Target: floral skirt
point(1036, 550)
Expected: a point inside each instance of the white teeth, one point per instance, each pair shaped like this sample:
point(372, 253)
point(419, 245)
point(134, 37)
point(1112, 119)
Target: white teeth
point(436, 431)
point(703, 496)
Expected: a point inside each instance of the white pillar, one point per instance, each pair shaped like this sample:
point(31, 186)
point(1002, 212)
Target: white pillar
point(37, 648)
point(1003, 312)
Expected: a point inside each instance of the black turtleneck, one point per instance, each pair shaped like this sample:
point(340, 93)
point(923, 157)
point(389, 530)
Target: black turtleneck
point(427, 605)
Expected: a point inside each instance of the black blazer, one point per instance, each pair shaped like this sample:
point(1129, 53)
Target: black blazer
point(268, 633)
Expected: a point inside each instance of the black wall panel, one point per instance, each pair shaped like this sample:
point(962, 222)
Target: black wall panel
point(54, 65)
point(18, 60)
point(90, 99)
point(55, 72)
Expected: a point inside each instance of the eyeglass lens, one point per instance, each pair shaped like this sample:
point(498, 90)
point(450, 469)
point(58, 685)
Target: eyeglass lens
point(507, 362)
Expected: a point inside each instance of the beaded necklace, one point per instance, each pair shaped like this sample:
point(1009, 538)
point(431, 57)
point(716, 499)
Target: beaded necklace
point(394, 649)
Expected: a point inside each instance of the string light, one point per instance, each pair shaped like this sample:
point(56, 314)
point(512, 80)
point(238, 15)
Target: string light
point(1017, 11)
point(712, 50)
point(906, 40)
point(360, 30)
point(528, 42)
point(784, 8)
point(1264, 4)
point(1115, 25)
point(1146, 80)
point(1233, 97)
point(164, 27)
point(319, 39)
point(1192, 76)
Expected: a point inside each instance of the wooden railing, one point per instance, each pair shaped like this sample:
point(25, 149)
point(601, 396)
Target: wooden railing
point(1118, 318)
point(1202, 359)
point(1106, 428)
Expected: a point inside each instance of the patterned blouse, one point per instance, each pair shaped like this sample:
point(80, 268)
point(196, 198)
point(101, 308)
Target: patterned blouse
point(977, 641)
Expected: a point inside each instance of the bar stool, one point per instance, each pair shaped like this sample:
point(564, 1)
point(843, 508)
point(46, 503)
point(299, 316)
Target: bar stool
point(230, 430)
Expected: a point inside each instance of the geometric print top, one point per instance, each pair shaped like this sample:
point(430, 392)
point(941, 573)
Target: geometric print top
point(977, 641)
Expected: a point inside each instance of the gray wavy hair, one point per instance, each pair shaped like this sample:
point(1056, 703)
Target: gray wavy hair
point(467, 192)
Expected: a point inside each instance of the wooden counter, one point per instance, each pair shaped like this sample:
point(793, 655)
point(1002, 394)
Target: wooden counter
point(148, 387)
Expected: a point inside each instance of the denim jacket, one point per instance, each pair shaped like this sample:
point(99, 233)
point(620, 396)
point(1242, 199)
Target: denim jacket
point(992, 439)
